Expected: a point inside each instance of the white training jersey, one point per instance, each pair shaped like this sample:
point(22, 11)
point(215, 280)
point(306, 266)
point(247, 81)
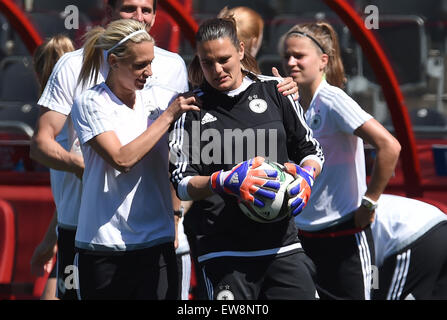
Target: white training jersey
point(333, 116)
point(122, 211)
point(59, 94)
point(399, 222)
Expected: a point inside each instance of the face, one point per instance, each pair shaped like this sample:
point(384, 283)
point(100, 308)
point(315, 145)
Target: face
point(303, 61)
point(220, 61)
point(133, 70)
point(140, 10)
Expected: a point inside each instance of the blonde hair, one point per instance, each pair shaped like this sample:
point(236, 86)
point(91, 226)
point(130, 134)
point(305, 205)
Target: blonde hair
point(99, 39)
point(249, 24)
point(47, 54)
point(325, 39)
point(213, 29)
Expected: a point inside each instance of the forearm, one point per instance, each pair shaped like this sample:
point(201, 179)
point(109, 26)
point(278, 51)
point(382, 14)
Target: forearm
point(199, 187)
point(50, 237)
point(51, 154)
point(314, 164)
point(131, 153)
point(385, 163)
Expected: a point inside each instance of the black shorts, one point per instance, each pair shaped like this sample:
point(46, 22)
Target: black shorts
point(146, 274)
point(66, 286)
point(286, 277)
point(343, 256)
point(418, 271)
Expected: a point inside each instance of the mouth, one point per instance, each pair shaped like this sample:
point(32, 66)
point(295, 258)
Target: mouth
point(294, 72)
point(141, 81)
point(222, 79)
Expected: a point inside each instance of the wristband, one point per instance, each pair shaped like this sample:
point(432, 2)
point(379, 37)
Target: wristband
point(368, 203)
point(179, 213)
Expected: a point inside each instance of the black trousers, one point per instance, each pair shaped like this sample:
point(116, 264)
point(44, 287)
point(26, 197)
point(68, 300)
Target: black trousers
point(418, 271)
point(343, 256)
point(146, 274)
point(285, 277)
point(65, 271)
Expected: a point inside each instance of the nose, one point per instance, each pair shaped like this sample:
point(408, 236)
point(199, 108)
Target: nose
point(147, 71)
point(218, 68)
point(291, 61)
point(138, 15)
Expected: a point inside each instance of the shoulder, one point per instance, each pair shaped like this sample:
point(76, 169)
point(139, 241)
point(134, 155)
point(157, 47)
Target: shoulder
point(334, 97)
point(71, 59)
point(91, 97)
point(165, 55)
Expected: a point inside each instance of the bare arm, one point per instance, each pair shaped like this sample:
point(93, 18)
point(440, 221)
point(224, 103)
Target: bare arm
point(46, 150)
point(176, 203)
point(199, 187)
point(41, 261)
point(387, 155)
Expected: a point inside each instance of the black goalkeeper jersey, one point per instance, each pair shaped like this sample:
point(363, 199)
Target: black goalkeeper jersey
point(259, 121)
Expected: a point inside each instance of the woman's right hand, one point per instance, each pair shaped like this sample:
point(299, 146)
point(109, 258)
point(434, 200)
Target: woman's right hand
point(181, 105)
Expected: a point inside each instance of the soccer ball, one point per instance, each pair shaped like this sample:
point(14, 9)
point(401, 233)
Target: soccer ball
point(276, 209)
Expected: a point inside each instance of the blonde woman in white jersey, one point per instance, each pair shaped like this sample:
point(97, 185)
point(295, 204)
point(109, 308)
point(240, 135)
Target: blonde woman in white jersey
point(125, 235)
point(55, 125)
point(335, 225)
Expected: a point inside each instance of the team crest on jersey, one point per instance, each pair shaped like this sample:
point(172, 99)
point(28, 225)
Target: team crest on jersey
point(315, 122)
point(258, 105)
point(225, 295)
point(155, 113)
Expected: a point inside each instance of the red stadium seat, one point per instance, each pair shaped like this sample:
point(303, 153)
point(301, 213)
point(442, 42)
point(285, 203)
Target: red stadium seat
point(7, 242)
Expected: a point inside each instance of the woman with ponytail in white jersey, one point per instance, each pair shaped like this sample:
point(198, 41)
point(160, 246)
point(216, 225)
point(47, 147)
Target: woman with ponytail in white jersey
point(125, 234)
point(335, 225)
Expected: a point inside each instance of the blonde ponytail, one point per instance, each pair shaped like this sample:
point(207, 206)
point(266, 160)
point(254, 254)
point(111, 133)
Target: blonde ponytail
point(93, 57)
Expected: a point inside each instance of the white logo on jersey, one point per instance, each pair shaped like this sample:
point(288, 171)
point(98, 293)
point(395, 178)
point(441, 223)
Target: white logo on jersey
point(154, 114)
point(258, 105)
point(315, 122)
point(207, 118)
point(225, 295)
point(234, 179)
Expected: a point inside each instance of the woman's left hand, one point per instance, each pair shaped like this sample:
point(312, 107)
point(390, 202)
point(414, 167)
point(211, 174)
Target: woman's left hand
point(363, 217)
point(287, 86)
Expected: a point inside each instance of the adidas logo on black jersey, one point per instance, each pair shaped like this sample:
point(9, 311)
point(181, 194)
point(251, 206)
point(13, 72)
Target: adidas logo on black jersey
point(207, 118)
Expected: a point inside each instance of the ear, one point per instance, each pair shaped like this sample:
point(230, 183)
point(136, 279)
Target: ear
point(241, 50)
point(112, 60)
point(324, 59)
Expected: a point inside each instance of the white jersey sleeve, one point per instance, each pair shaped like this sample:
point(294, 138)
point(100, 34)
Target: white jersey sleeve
point(89, 114)
point(61, 87)
point(347, 113)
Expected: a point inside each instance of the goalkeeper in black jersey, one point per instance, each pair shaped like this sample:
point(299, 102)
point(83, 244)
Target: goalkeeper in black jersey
point(214, 153)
